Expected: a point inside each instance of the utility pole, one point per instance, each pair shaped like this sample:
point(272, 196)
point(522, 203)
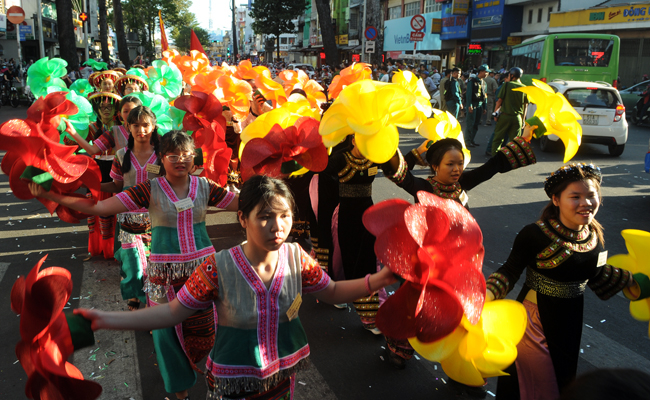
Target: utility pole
point(41, 47)
point(234, 32)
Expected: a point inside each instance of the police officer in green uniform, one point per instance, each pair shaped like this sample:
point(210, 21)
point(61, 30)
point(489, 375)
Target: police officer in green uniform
point(476, 103)
point(513, 108)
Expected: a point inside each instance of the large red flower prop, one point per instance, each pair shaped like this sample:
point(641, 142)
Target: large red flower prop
point(34, 151)
point(283, 151)
point(46, 342)
point(436, 246)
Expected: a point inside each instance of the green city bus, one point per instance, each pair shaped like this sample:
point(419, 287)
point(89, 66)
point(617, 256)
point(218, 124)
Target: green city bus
point(569, 56)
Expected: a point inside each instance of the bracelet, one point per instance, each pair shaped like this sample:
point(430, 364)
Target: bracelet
point(368, 285)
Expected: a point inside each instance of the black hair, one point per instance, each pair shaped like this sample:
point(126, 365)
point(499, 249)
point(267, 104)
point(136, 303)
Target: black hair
point(172, 141)
point(437, 151)
point(606, 384)
point(136, 115)
point(126, 100)
point(262, 189)
point(97, 104)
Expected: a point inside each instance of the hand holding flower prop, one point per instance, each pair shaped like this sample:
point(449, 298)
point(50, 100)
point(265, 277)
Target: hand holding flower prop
point(441, 126)
point(45, 73)
point(554, 116)
point(637, 261)
point(436, 246)
point(472, 353)
point(46, 341)
point(415, 85)
point(354, 73)
point(371, 111)
point(283, 152)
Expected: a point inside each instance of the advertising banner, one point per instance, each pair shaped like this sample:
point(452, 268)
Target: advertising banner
point(454, 26)
point(625, 15)
point(397, 34)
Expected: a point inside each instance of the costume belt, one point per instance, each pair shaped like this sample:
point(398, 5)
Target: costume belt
point(550, 287)
point(358, 190)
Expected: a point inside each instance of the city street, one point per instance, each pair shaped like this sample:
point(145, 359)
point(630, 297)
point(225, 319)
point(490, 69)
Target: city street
point(347, 361)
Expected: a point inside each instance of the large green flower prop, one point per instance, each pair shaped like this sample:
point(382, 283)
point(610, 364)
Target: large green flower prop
point(82, 87)
point(81, 120)
point(555, 116)
point(96, 65)
point(45, 73)
point(165, 80)
point(137, 72)
point(177, 118)
point(160, 107)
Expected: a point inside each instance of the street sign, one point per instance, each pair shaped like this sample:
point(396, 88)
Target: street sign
point(417, 36)
point(370, 47)
point(15, 15)
point(418, 22)
point(371, 33)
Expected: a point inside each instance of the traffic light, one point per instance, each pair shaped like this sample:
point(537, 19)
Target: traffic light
point(83, 17)
point(228, 53)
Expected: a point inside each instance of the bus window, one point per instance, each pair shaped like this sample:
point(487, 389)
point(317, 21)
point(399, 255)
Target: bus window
point(583, 52)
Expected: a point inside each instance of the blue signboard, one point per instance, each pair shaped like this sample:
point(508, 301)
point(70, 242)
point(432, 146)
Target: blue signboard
point(397, 34)
point(454, 26)
point(487, 13)
point(488, 17)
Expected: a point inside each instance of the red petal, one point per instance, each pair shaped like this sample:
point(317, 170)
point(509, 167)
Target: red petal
point(44, 301)
point(384, 215)
point(396, 317)
point(469, 286)
point(65, 171)
point(441, 313)
point(18, 186)
point(191, 103)
point(314, 159)
point(257, 152)
point(18, 295)
point(396, 249)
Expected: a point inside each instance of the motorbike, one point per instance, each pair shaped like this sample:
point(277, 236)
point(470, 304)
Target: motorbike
point(640, 119)
point(27, 91)
point(14, 98)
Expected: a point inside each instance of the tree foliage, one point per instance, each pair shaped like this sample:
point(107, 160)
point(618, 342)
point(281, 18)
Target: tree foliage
point(182, 37)
point(273, 17)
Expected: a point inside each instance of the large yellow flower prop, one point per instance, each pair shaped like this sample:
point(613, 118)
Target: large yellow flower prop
point(372, 111)
point(636, 261)
point(474, 352)
point(555, 116)
point(298, 80)
point(415, 85)
point(443, 125)
point(270, 89)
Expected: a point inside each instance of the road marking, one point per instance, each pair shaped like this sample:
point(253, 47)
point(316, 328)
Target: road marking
point(120, 379)
point(78, 251)
point(67, 228)
point(3, 269)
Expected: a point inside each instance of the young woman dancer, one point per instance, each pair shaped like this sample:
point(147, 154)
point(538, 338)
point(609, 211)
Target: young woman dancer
point(177, 204)
point(256, 288)
point(134, 164)
point(561, 255)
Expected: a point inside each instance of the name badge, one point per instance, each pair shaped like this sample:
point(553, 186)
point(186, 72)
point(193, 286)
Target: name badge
point(372, 171)
point(602, 258)
point(295, 306)
point(464, 198)
point(184, 204)
point(154, 169)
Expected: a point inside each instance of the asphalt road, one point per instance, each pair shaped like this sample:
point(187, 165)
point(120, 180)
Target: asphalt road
point(347, 360)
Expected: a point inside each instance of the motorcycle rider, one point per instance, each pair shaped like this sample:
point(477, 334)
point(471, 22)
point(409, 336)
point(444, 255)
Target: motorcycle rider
point(643, 104)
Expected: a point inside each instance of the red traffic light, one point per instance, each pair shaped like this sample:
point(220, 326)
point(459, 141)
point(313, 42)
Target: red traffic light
point(83, 17)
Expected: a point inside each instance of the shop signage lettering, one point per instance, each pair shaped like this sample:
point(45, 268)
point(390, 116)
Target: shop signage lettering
point(459, 20)
point(634, 12)
point(599, 16)
point(400, 39)
point(611, 15)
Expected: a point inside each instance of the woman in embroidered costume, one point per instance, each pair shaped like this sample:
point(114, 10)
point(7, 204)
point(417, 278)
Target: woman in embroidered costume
point(562, 254)
point(256, 288)
point(345, 192)
point(177, 205)
point(134, 164)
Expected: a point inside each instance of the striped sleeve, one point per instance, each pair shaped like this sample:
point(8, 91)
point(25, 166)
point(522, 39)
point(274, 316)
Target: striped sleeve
point(202, 287)
point(314, 278)
point(116, 170)
point(105, 142)
point(136, 197)
point(219, 197)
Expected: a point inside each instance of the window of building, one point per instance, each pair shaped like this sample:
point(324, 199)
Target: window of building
point(411, 9)
point(550, 10)
point(432, 6)
point(395, 12)
point(530, 16)
point(354, 21)
point(283, 40)
point(539, 15)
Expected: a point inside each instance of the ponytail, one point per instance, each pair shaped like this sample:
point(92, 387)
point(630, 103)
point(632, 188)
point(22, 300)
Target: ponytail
point(126, 163)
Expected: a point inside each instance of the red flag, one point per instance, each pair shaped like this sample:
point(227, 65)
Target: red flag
point(195, 44)
point(163, 38)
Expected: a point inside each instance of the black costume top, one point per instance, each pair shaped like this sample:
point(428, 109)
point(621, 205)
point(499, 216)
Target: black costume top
point(513, 155)
point(559, 264)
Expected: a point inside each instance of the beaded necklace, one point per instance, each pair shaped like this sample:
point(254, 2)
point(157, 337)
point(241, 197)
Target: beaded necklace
point(352, 166)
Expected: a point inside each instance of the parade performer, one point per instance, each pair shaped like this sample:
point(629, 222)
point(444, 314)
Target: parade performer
point(256, 288)
point(131, 83)
point(105, 81)
point(177, 204)
point(562, 254)
point(134, 164)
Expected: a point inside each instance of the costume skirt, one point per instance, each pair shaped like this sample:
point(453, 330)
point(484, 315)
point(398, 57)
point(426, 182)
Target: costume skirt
point(101, 232)
point(282, 391)
point(135, 239)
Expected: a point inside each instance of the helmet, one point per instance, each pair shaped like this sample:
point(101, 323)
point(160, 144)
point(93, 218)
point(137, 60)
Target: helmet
point(516, 72)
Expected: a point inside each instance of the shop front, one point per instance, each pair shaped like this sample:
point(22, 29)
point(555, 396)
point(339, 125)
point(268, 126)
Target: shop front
point(492, 24)
point(454, 34)
point(397, 40)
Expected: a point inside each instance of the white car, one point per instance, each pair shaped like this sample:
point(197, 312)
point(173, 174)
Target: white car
point(602, 111)
point(306, 67)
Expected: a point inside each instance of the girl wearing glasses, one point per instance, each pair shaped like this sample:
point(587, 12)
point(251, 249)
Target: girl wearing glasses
point(134, 164)
point(256, 289)
point(177, 204)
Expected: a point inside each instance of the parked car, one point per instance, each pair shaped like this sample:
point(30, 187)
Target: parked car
point(631, 94)
point(306, 67)
point(602, 111)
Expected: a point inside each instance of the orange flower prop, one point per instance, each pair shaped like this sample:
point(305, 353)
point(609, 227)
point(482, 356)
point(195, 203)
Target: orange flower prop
point(246, 71)
point(207, 82)
point(354, 73)
point(270, 89)
point(171, 56)
point(191, 66)
point(299, 82)
point(45, 340)
point(236, 94)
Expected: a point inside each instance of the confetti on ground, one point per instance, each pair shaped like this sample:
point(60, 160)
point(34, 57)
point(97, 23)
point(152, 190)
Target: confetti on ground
point(16, 362)
point(383, 347)
point(302, 383)
point(582, 351)
point(435, 367)
point(93, 357)
point(99, 377)
point(382, 358)
point(126, 384)
point(342, 327)
point(602, 320)
point(443, 381)
point(491, 394)
point(589, 326)
point(416, 357)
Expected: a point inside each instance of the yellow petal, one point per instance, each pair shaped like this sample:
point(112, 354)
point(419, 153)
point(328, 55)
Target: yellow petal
point(462, 371)
point(378, 148)
point(440, 349)
point(505, 319)
point(640, 309)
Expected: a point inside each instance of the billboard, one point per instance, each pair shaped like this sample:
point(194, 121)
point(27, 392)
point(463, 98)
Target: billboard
point(397, 34)
point(454, 26)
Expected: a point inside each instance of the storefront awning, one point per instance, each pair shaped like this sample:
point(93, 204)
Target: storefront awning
point(423, 57)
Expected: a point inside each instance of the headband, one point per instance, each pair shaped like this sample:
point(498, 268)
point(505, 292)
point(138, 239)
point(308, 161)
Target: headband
point(573, 172)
